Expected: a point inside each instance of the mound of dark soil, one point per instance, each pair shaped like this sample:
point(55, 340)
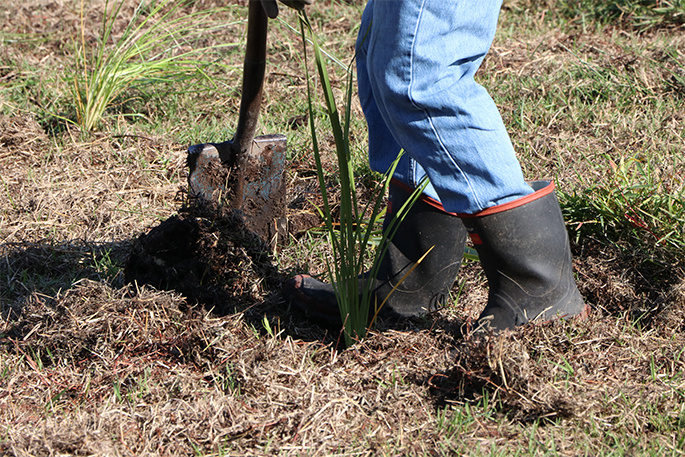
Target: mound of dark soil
point(207, 255)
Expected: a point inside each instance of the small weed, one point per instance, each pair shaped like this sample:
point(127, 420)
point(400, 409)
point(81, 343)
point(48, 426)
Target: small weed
point(565, 367)
point(143, 383)
point(6, 370)
point(255, 332)
point(116, 388)
point(450, 422)
point(267, 326)
point(228, 380)
point(196, 449)
point(105, 265)
point(37, 362)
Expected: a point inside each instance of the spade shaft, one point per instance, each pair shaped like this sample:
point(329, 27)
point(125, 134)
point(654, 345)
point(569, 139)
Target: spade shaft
point(245, 173)
point(254, 68)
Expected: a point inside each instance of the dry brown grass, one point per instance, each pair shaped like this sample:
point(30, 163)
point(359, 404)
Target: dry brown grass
point(135, 372)
point(90, 366)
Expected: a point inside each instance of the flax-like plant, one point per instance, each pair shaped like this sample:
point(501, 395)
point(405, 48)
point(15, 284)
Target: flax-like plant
point(156, 45)
point(350, 240)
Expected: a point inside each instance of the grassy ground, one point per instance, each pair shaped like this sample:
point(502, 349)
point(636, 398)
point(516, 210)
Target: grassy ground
point(593, 94)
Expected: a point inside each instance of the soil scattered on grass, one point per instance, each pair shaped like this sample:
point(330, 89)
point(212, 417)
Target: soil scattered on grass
point(207, 256)
point(162, 375)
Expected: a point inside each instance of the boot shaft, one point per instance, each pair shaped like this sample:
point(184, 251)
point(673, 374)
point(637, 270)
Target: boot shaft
point(525, 252)
point(425, 227)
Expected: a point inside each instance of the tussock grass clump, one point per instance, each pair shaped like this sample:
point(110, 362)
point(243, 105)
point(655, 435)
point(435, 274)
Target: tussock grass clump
point(159, 44)
point(350, 238)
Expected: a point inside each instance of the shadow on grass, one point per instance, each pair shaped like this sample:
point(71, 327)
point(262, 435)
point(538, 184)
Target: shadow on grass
point(205, 256)
point(46, 269)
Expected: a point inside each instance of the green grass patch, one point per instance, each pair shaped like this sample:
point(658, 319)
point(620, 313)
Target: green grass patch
point(635, 207)
point(637, 14)
point(157, 45)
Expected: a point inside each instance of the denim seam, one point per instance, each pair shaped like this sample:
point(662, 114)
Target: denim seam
point(428, 115)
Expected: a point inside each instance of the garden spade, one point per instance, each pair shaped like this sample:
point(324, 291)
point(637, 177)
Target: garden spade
point(246, 173)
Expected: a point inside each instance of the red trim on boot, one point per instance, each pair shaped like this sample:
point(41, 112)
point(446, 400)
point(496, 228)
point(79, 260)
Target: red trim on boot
point(548, 189)
point(475, 238)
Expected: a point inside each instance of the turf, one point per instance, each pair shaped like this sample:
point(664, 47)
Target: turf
point(91, 365)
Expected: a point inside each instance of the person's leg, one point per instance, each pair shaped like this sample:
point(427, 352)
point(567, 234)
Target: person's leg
point(420, 57)
point(420, 61)
point(383, 148)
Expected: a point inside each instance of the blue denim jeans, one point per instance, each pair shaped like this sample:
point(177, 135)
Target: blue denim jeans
point(416, 61)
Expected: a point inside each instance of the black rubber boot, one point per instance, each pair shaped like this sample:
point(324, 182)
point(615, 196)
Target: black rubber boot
point(524, 250)
point(426, 225)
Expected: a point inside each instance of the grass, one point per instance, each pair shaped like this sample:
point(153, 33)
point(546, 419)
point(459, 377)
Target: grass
point(157, 45)
point(640, 14)
point(88, 365)
point(634, 208)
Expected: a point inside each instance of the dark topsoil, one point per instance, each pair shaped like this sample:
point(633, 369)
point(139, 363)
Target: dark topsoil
point(208, 254)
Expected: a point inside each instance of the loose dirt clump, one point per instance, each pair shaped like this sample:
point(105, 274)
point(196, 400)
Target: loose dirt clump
point(626, 282)
point(93, 320)
point(207, 255)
